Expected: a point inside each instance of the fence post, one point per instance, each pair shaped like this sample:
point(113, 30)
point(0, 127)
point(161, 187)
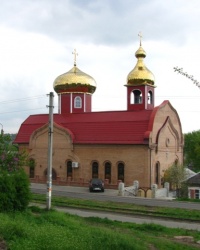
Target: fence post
point(121, 189)
point(166, 185)
point(154, 189)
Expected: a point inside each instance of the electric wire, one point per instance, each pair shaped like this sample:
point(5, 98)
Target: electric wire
point(16, 111)
point(30, 98)
point(23, 99)
point(45, 95)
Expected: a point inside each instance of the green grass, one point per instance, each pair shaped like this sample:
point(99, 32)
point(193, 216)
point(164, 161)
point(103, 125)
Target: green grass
point(39, 229)
point(188, 200)
point(174, 213)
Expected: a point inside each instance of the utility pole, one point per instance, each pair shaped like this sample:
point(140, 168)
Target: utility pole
point(50, 146)
point(1, 129)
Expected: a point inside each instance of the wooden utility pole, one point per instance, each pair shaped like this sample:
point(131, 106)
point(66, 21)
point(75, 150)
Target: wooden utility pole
point(50, 146)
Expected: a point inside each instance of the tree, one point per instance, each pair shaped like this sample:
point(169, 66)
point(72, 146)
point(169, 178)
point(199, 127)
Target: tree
point(192, 150)
point(10, 158)
point(176, 176)
point(14, 183)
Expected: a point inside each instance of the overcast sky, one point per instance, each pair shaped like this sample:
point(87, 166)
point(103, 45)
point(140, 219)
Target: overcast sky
point(37, 38)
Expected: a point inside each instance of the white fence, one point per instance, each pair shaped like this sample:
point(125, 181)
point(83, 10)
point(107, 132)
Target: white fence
point(133, 190)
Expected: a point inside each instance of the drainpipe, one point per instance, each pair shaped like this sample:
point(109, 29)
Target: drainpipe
point(150, 166)
point(151, 148)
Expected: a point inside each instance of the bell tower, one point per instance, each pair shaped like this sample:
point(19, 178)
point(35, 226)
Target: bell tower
point(140, 84)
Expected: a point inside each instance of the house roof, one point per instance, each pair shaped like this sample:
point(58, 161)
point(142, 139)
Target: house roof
point(194, 180)
point(189, 173)
point(110, 127)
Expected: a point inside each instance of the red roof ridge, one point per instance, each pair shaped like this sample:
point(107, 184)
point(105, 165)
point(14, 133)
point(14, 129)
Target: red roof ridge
point(153, 114)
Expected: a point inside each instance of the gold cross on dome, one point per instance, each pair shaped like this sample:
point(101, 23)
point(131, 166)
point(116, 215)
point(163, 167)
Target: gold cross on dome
point(75, 55)
point(140, 35)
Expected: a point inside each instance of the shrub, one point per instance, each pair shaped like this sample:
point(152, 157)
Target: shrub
point(15, 191)
point(14, 183)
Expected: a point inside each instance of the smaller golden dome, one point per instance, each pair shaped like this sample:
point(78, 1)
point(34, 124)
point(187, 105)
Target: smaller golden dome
point(74, 81)
point(140, 74)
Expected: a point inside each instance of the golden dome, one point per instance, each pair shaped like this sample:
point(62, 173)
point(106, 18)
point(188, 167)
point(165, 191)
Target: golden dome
point(140, 74)
point(74, 81)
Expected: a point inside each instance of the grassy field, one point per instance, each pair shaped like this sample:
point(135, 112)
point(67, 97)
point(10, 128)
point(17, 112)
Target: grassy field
point(38, 229)
point(174, 213)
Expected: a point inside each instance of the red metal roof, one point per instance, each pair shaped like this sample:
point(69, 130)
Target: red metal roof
point(109, 127)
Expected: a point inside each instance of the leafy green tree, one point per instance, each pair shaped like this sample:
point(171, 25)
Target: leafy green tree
point(192, 150)
point(10, 157)
point(14, 183)
point(176, 176)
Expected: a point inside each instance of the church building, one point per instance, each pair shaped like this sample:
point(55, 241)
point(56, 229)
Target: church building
point(138, 143)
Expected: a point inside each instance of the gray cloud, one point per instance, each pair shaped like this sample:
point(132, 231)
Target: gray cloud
point(41, 34)
point(101, 21)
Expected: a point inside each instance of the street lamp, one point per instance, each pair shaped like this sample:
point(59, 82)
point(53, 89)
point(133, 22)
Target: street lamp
point(1, 129)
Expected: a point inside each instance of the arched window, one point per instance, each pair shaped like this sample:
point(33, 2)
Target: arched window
point(95, 169)
point(31, 168)
point(77, 102)
point(121, 171)
point(150, 97)
point(157, 173)
point(54, 174)
point(108, 171)
point(137, 97)
point(69, 168)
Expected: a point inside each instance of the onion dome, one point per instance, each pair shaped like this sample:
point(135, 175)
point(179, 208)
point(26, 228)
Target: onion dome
point(140, 74)
point(74, 81)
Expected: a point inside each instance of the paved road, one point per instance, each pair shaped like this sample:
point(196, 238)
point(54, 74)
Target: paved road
point(111, 195)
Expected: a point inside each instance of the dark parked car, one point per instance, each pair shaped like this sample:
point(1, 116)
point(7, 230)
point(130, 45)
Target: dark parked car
point(96, 185)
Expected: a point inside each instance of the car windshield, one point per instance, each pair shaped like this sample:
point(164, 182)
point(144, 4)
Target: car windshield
point(96, 181)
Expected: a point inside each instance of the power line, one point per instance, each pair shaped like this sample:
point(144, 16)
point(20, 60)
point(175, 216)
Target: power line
point(180, 97)
point(20, 111)
point(45, 95)
point(23, 99)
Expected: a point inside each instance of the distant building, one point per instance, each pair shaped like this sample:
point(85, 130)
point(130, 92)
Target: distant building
point(194, 186)
point(135, 144)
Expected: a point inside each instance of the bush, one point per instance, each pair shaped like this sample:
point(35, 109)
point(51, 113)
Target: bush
point(15, 193)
